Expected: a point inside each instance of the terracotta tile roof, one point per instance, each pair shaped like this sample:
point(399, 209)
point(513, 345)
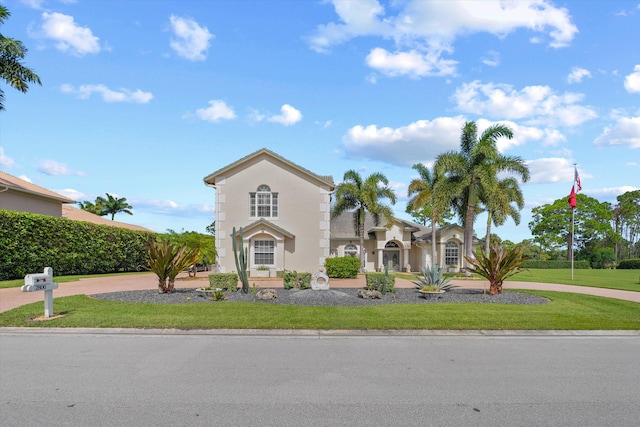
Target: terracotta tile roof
point(76, 214)
point(17, 184)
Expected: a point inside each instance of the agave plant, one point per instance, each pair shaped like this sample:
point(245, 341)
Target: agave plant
point(497, 266)
point(433, 280)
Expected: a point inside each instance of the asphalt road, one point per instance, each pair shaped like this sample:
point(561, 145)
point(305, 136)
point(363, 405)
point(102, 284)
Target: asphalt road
point(102, 378)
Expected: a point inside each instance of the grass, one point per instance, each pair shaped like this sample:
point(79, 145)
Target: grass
point(564, 312)
point(63, 279)
point(626, 280)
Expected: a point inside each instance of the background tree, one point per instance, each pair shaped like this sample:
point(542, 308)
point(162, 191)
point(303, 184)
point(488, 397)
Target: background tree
point(427, 195)
point(90, 207)
point(204, 243)
point(363, 196)
point(12, 52)
point(112, 205)
point(626, 217)
point(472, 173)
point(552, 222)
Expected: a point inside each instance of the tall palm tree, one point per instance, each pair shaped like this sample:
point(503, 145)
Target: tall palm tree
point(363, 196)
point(12, 71)
point(112, 205)
point(499, 205)
point(91, 207)
point(426, 192)
point(472, 172)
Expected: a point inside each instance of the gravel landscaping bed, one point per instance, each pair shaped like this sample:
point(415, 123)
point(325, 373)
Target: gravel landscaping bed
point(332, 297)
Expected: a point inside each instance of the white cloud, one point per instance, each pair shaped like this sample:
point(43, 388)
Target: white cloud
point(412, 63)
point(72, 194)
point(33, 4)
point(552, 170)
point(420, 141)
point(492, 59)
point(69, 36)
point(423, 31)
point(5, 161)
point(25, 178)
point(577, 74)
point(626, 131)
point(632, 81)
point(108, 95)
point(534, 104)
point(289, 116)
point(217, 110)
point(52, 167)
point(192, 40)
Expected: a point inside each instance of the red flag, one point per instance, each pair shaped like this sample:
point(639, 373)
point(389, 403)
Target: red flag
point(576, 178)
point(572, 197)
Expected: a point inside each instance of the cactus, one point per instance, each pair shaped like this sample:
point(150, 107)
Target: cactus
point(240, 257)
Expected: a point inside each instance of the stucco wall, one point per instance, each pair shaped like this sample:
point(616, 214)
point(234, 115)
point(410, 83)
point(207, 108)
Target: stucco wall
point(24, 202)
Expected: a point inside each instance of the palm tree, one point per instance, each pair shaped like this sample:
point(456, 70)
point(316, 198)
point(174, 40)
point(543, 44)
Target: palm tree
point(363, 196)
point(11, 69)
point(426, 192)
point(472, 172)
point(499, 205)
point(113, 206)
point(88, 206)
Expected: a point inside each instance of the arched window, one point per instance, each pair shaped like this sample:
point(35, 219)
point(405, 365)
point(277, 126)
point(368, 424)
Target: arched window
point(391, 245)
point(351, 250)
point(451, 254)
point(263, 203)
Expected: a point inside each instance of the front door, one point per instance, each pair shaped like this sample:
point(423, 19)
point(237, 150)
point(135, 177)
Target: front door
point(392, 255)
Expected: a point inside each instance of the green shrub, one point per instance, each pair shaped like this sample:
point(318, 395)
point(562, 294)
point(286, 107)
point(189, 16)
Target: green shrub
point(224, 281)
point(29, 242)
point(381, 281)
point(555, 264)
point(629, 264)
point(293, 279)
point(342, 267)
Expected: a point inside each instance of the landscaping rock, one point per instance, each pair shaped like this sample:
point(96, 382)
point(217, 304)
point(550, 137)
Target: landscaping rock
point(266, 294)
point(366, 294)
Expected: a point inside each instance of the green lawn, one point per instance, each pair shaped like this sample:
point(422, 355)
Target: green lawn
point(62, 279)
point(626, 280)
point(564, 312)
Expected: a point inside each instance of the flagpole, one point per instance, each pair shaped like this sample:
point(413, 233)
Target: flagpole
point(575, 166)
point(572, 245)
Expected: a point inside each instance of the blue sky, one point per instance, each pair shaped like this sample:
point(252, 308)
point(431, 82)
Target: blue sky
point(143, 99)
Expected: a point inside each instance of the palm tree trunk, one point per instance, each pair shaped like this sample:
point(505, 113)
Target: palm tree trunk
point(468, 225)
point(434, 261)
point(361, 233)
point(488, 238)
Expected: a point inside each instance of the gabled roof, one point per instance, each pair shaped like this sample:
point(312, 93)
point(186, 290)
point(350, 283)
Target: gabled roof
point(16, 184)
point(268, 224)
point(342, 226)
point(211, 178)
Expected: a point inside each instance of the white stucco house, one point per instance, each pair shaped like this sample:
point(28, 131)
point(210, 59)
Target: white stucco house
point(284, 211)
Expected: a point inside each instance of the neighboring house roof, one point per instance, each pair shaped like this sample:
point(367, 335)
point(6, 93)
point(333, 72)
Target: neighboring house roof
point(17, 184)
point(76, 214)
point(211, 178)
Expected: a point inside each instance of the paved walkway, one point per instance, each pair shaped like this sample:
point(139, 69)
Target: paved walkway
point(13, 297)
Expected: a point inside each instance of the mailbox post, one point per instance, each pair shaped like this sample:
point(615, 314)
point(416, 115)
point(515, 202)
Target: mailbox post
point(42, 282)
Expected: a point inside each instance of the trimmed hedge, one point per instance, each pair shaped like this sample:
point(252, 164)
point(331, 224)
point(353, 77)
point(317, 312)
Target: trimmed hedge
point(30, 242)
point(342, 267)
point(375, 281)
point(629, 264)
point(557, 263)
point(224, 281)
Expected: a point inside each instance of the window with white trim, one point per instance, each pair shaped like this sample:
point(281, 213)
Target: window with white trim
point(451, 253)
point(351, 250)
point(263, 203)
point(263, 252)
